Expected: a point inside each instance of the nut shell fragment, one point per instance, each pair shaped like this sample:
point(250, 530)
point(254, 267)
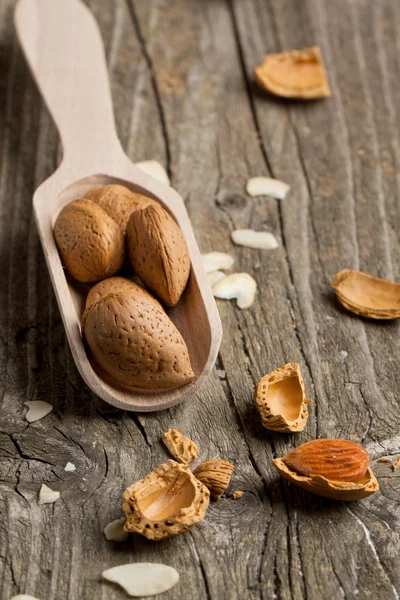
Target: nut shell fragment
point(294, 74)
point(241, 286)
point(217, 261)
point(336, 490)
point(367, 296)
point(281, 400)
point(216, 475)
point(181, 447)
point(168, 501)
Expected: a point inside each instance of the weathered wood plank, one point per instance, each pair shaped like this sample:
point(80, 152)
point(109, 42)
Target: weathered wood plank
point(183, 92)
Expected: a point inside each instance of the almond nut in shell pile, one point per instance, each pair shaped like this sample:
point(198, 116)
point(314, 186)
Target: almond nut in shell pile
point(168, 501)
point(158, 252)
point(118, 201)
point(135, 342)
point(337, 469)
point(111, 285)
point(90, 243)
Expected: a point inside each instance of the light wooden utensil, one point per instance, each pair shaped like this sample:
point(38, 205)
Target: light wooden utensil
point(63, 46)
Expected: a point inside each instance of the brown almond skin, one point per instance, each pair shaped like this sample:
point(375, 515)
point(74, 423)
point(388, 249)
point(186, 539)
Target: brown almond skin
point(158, 252)
point(118, 201)
point(111, 285)
point(135, 342)
point(336, 460)
point(90, 242)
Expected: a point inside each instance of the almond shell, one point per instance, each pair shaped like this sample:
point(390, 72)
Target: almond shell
point(281, 400)
point(135, 342)
point(168, 501)
point(90, 243)
point(158, 253)
point(367, 296)
point(336, 490)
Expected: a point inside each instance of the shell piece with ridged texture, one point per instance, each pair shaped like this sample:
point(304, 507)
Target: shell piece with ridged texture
point(168, 501)
point(216, 475)
point(180, 447)
point(281, 400)
point(367, 296)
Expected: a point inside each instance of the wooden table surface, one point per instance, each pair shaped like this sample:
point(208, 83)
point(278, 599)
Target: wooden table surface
point(182, 84)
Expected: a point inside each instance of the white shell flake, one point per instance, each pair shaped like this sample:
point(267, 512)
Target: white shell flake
point(143, 579)
point(69, 467)
point(47, 496)
point(115, 532)
point(241, 286)
point(254, 239)
point(37, 409)
point(265, 186)
point(23, 597)
point(214, 277)
point(155, 169)
point(214, 261)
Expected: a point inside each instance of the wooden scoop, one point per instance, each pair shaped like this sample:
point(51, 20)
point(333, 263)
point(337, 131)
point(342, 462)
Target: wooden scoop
point(63, 46)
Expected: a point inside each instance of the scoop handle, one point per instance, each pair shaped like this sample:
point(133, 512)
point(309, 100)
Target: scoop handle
point(64, 49)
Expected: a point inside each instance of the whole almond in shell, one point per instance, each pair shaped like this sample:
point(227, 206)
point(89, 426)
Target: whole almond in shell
point(336, 460)
point(90, 243)
point(111, 285)
point(158, 252)
point(118, 201)
point(135, 342)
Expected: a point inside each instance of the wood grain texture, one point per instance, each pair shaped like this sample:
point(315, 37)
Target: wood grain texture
point(181, 75)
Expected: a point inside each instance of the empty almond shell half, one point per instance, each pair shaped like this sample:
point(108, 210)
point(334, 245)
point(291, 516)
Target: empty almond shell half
point(168, 501)
point(294, 74)
point(181, 447)
point(216, 475)
point(367, 296)
point(281, 400)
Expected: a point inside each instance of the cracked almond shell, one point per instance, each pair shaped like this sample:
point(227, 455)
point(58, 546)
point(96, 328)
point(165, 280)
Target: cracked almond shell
point(180, 447)
point(321, 486)
point(90, 243)
point(158, 253)
point(281, 400)
point(118, 201)
point(168, 501)
point(295, 74)
point(367, 296)
point(216, 475)
point(135, 342)
point(111, 285)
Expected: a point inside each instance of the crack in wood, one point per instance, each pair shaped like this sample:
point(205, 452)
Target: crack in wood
point(157, 95)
